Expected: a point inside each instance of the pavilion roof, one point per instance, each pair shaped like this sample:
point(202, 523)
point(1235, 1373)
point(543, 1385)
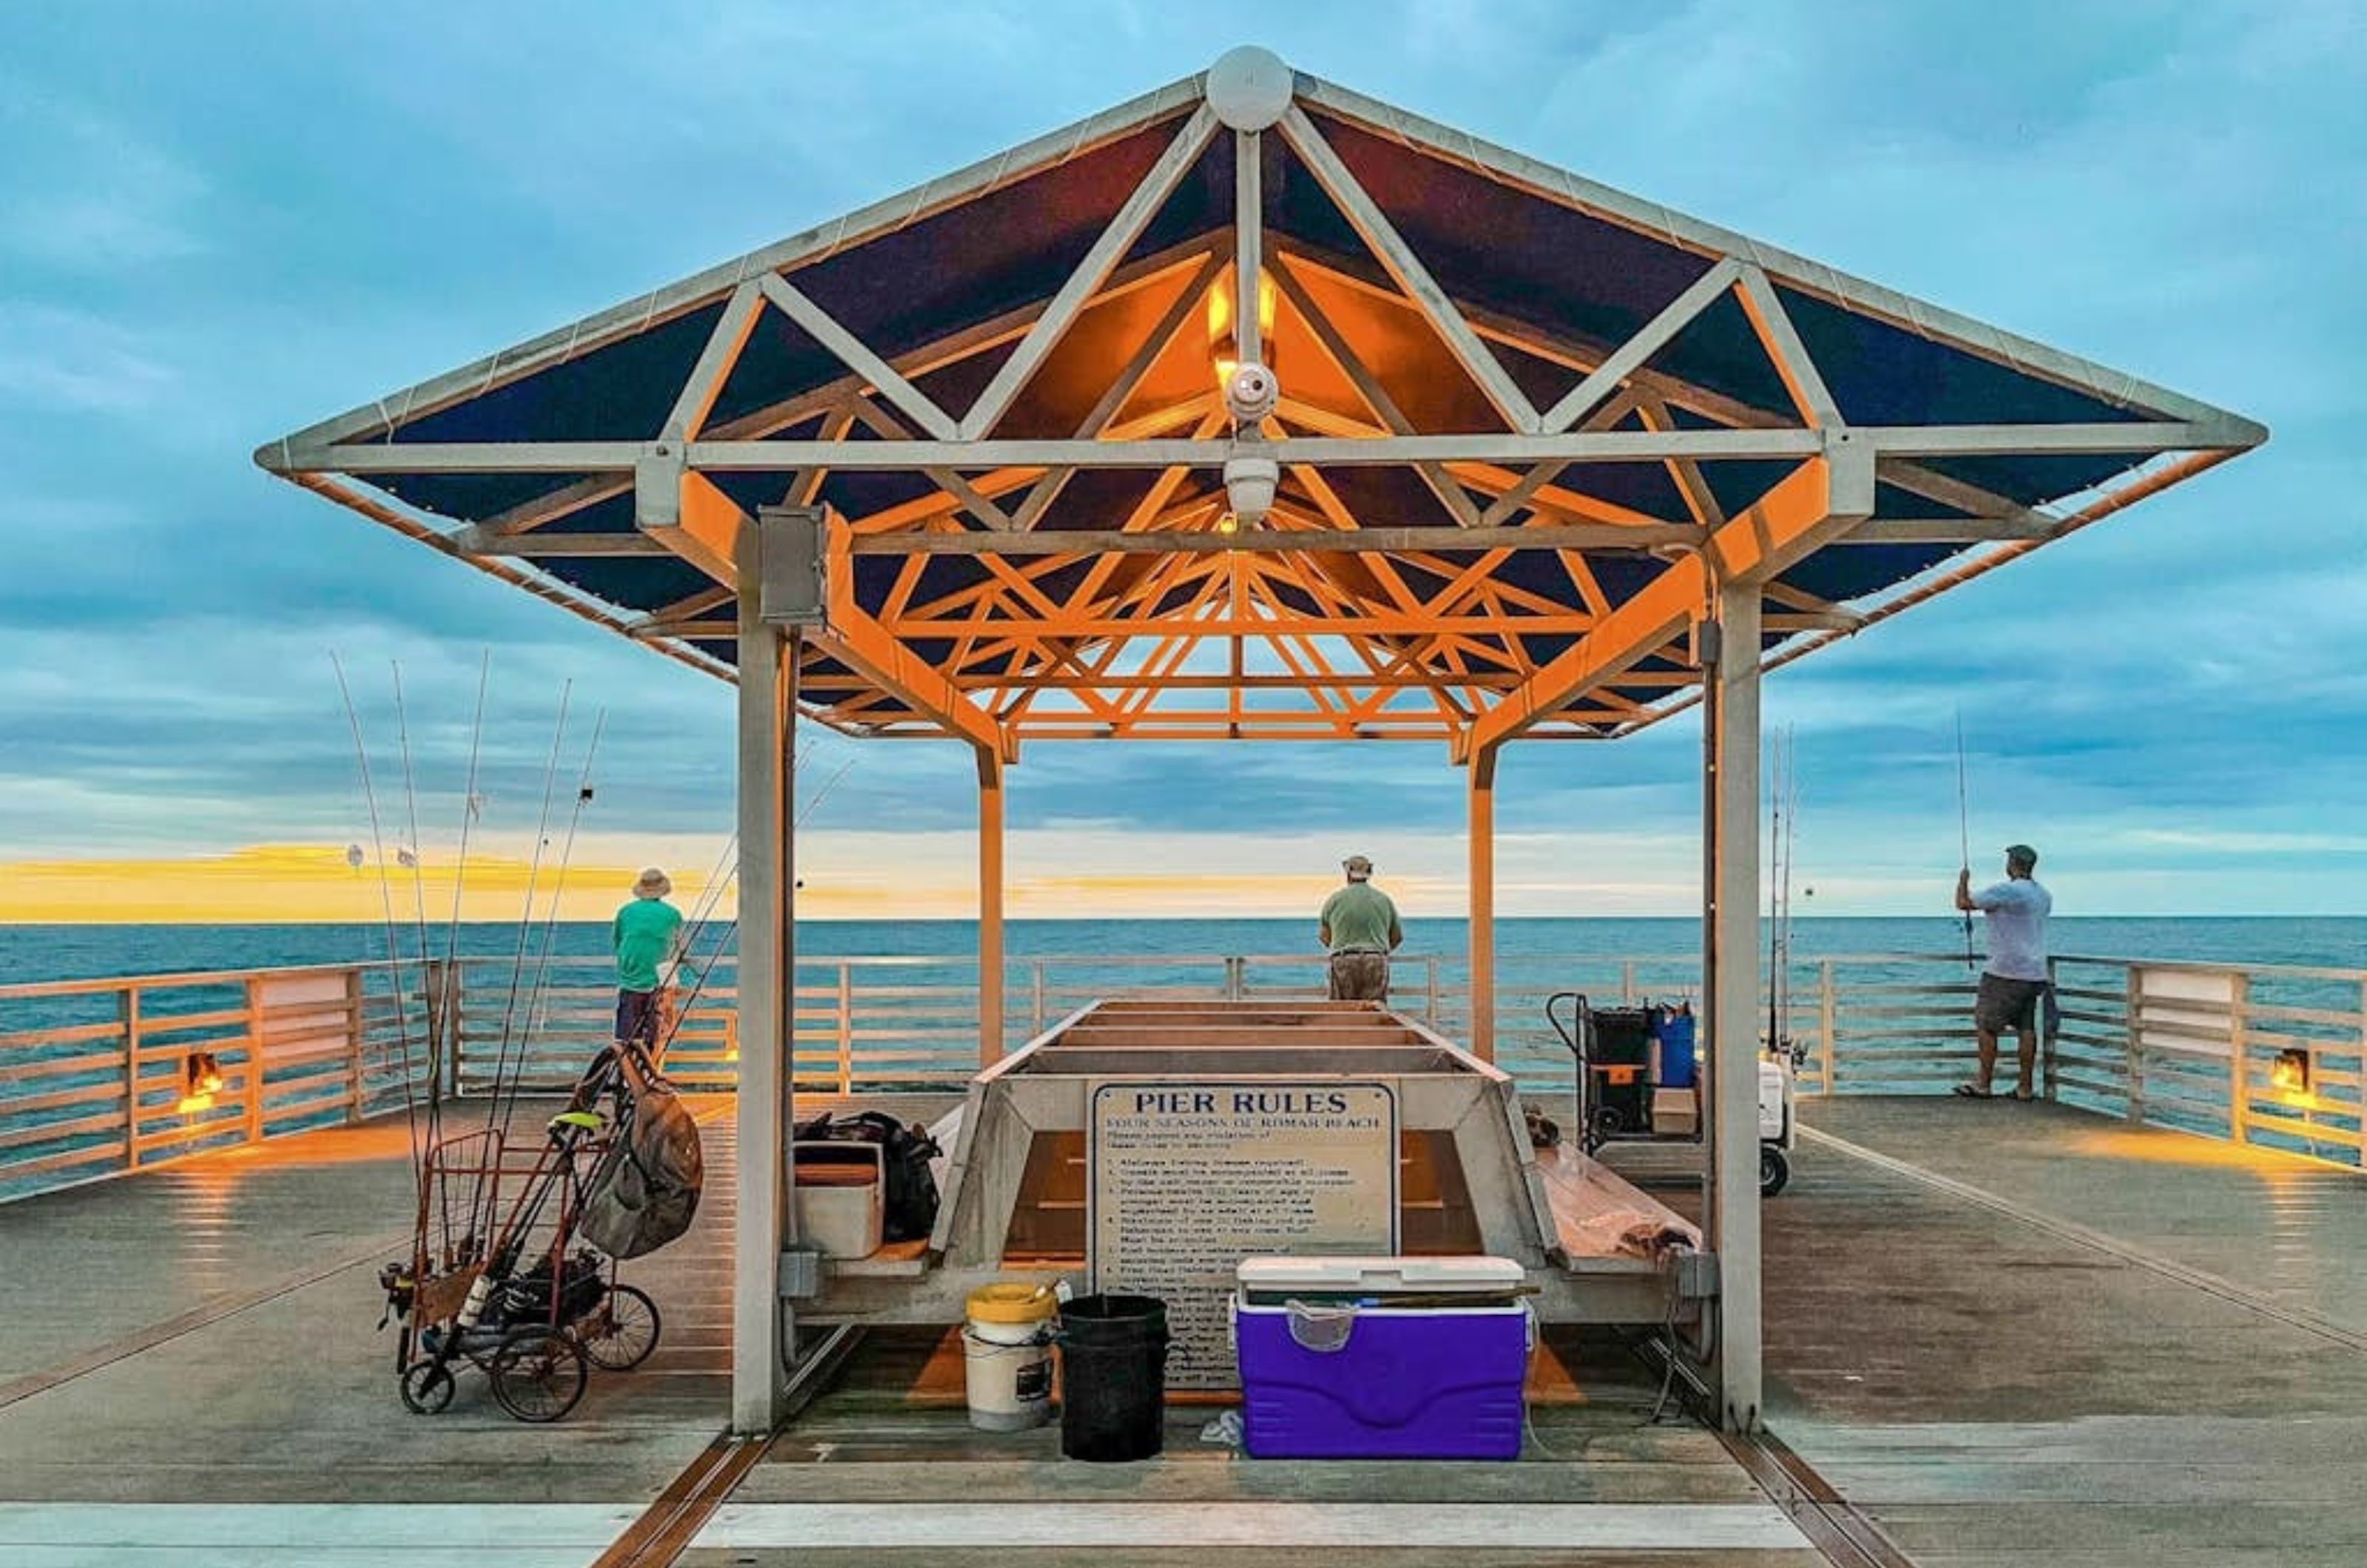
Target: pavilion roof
point(1526, 422)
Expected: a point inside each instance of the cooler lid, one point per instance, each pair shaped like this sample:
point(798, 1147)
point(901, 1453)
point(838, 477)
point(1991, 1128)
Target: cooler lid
point(1379, 1276)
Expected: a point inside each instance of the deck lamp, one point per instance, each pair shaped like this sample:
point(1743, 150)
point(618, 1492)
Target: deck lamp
point(201, 1079)
point(2291, 1071)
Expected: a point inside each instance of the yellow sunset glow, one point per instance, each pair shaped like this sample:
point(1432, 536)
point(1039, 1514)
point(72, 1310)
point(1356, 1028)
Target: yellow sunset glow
point(851, 876)
point(306, 883)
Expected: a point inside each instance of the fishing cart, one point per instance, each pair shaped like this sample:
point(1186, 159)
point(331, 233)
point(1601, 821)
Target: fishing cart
point(1638, 1080)
point(505, 1274)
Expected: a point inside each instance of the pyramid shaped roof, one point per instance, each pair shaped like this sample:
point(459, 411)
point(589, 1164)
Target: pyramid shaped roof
point(1522, 420)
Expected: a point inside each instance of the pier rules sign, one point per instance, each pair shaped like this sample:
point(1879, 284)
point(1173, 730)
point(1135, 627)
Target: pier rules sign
point(1184, 1179)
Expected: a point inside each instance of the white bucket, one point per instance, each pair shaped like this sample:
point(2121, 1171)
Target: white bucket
point(1007, 1371)
point(1007, 1356)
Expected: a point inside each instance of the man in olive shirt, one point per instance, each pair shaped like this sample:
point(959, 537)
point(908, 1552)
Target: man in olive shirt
point(1359, 931)
point(647, 938)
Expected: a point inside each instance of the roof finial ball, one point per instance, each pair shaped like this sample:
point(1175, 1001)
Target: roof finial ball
point(1248, 87)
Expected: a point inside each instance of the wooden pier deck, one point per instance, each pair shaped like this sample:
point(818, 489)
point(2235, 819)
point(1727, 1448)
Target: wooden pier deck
point(2009, 1334)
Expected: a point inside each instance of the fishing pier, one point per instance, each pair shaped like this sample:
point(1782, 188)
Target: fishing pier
point(1255, 410)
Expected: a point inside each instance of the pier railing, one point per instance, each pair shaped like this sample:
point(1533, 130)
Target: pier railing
point(102, 1076)
point(99, 1077)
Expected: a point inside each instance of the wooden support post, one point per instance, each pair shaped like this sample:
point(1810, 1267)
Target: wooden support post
point(2239, 1054)
point(845, 1074)
point(990, 908)
point(1731, 991)
point(357, 1030)
point(2051, 1005)
point(1829, 1026)
point(762, 1330)
point(435, 981)
point(2133, 1019)
point(127, 1006)
point(254, 1061)
point(1481, 846)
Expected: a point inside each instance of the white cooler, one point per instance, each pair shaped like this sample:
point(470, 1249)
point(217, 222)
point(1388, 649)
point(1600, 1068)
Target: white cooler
point(841, 1188)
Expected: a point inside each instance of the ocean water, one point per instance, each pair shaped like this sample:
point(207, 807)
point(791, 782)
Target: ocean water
point(38, 952)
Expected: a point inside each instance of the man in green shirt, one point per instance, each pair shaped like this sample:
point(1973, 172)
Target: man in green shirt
point(648, 937)
point(1359, 931)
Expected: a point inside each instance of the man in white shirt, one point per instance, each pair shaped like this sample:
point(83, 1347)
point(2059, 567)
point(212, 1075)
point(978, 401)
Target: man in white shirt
point(2014, 984)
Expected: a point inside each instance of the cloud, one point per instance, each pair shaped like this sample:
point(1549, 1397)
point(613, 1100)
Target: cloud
point(53, 359)
point(83, 193)
point(209, 235)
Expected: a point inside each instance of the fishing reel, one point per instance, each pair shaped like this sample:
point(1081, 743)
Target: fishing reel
point(401, 1290)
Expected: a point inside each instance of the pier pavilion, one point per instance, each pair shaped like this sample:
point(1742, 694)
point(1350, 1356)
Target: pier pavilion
point(1254, 409)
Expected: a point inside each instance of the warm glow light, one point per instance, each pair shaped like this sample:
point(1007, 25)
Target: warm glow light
point(2290, 1072)
point(1224, 346)
point(189, 1104)
point(1228, 522)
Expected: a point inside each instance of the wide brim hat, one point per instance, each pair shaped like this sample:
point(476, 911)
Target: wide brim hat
point(652, 883)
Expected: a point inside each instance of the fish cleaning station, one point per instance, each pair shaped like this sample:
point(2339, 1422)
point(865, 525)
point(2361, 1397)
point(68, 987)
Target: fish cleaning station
point(1251, 410)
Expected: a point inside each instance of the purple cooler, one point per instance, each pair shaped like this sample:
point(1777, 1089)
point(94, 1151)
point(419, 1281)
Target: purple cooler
point(1382, 1357)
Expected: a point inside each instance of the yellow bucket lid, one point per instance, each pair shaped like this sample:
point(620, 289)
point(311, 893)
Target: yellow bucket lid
point(1012, 1301)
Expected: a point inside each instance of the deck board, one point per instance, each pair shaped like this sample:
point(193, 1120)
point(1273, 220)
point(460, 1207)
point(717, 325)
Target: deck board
point(1997, 1392)
point(2009, 1354)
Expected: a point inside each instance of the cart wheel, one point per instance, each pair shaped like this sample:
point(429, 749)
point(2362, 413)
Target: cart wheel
point(537, 1374)
point(1775, 1170)
point(1602, 1124)
point(426, 1388)
point(621, 1334)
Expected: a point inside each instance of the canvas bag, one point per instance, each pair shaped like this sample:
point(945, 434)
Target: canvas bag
point(644, 1192)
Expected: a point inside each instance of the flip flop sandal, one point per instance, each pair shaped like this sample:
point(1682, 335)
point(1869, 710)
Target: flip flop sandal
point(2024, 1095)
point(1973, 1091)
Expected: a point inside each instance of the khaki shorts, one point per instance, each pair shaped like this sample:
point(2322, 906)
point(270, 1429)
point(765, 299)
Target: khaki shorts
point(1360, 977)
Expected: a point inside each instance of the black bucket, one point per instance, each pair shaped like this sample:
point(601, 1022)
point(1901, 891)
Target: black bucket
point(1113, 1376)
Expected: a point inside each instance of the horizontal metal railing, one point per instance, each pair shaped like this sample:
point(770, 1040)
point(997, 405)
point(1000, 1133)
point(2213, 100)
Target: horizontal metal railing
point(96, 1075)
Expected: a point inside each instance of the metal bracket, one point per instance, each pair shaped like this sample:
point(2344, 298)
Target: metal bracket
point(1709, 643)
point(1695, 1275)
point(800, 1278)
point(792, 590)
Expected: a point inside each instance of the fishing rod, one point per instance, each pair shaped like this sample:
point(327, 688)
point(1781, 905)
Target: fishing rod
point(551, 921)
point(533, 881)
point(386, 905)
point(1964, 831)
point(418, 901)
point(726, 868)
point(1779, 892)
point(478, 1207)
point(468, 808)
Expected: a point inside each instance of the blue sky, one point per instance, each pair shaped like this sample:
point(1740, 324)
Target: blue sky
point(220, 223)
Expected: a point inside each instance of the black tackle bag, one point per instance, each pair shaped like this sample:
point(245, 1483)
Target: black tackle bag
point(910, 1200)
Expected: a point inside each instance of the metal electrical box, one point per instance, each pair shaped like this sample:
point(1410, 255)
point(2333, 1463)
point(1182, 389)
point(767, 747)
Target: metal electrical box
point(792, 593)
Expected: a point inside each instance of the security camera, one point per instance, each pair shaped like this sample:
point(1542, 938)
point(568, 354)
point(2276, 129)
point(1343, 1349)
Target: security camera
point(1251, 393)
point(1249, 486)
